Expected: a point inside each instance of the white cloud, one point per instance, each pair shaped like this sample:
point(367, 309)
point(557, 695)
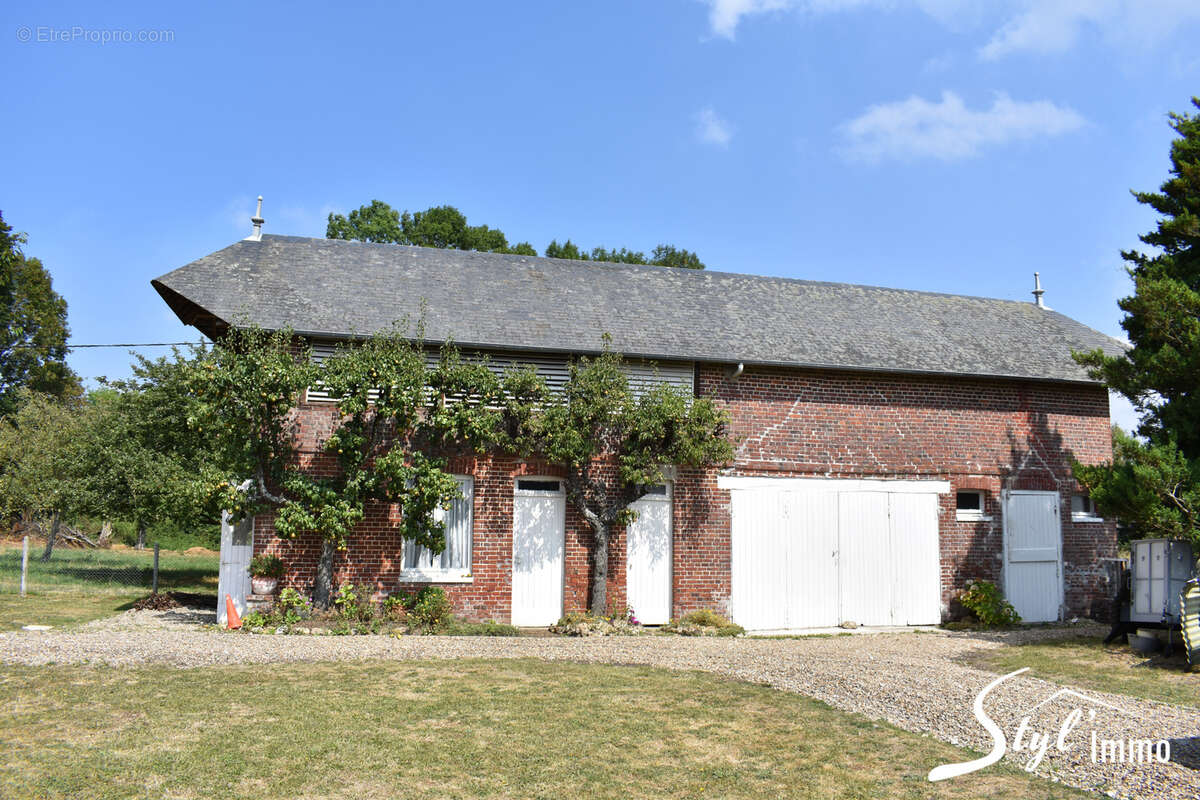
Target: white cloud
point(1041, 26)
point(1054, 26)
point(712, 129)
point(948, 130)
point(724, 15)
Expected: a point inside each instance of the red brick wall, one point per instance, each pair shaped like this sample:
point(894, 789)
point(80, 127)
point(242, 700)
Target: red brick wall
point(975, 433)
point(978, 434)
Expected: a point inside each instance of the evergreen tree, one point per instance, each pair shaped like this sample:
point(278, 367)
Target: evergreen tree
point(1156, 484)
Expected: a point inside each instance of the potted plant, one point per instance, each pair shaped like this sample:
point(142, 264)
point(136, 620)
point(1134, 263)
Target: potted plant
point(265, 572)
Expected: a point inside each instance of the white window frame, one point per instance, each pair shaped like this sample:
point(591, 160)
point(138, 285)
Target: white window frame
point(971, 514)
point(1084, 516)
point(456, 574)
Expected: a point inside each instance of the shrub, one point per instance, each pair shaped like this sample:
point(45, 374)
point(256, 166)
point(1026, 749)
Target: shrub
point(354, 603)
point(704, 622)
point(984, 601)
point(395, 606)
point(291, 606)
point(428, 610)
point(459, 627)
point(706, 618)
point(266, 566)
point(255, 619)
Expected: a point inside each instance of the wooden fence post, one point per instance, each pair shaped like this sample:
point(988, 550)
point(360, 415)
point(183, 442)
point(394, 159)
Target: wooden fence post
point(24, 562)
point(154, 587)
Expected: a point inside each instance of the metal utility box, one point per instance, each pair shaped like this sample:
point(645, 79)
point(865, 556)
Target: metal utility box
point(1159, 569)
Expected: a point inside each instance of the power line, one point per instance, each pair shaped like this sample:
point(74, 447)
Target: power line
point(131, 344)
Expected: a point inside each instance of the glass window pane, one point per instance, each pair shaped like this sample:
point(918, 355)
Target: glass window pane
point(538, 486)
point(457, 521)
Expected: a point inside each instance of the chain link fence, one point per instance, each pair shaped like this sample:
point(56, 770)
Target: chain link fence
point(74, 569)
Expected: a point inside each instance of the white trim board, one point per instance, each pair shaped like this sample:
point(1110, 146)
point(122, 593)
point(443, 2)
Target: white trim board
point(832, 485)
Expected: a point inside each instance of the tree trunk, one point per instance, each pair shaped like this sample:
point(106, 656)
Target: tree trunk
point(599, 566)
point(141, 540)
point(323, 585)
point(52, 538)
point(106, 534)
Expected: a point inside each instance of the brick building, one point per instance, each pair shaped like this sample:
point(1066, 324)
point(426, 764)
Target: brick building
point(890, 444)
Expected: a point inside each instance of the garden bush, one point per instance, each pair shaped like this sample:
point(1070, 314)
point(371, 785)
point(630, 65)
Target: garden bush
point(460, 627)
point(356, 612)
point(703, 623)
point(987, 605)
point(428, 610)
point(424, 612)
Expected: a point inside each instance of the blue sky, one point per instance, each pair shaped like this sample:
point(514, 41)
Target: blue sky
point(941, 145)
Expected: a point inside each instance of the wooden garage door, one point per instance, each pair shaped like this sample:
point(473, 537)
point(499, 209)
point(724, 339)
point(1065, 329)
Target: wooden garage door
point(816, 553)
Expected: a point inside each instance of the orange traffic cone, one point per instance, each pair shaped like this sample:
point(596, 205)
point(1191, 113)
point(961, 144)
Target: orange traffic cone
point(232, 620)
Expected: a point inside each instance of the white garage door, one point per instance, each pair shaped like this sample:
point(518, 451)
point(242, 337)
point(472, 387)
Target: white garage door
point(812, 553)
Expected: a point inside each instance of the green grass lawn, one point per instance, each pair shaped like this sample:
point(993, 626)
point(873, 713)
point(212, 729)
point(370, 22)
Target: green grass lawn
point(1086, 663)
point(118, 569)
point(62, 609)
point(491, 729)
point(81, 585)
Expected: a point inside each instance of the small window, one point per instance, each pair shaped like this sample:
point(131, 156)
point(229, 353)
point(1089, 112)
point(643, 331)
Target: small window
point(1083, 509)
point(538, 486)
point(453, 564)
point(970, 505)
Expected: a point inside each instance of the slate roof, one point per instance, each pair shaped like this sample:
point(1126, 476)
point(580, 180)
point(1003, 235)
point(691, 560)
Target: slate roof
point(334, 289)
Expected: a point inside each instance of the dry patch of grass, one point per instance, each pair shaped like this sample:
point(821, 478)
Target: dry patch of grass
point(493, 729)
point(1087, 663)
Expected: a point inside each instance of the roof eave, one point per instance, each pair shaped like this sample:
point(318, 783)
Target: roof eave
point(191, 313)
point(346, 337)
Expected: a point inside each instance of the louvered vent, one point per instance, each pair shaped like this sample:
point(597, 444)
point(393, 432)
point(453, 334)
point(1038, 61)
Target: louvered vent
point(552, 368)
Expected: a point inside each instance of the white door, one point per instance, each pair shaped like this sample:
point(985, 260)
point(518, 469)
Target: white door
point(915, 569)
point(233, 575)
point(889, 569)
point(1033, 554)
point(865, 558)
point(815, 553)
point(539, 520)
point(648, 558)
point(810, 528)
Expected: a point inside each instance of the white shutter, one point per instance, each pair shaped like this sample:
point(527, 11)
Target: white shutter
point(553, 369)
point(317, 393)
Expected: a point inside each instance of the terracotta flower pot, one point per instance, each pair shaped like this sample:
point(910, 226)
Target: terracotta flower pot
point(262, 585)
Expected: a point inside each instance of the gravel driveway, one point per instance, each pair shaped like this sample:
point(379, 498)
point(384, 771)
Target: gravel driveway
point(914, 681)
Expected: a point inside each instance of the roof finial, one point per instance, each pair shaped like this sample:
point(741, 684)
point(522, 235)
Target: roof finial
point(257, 221)
point(1038, 291)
